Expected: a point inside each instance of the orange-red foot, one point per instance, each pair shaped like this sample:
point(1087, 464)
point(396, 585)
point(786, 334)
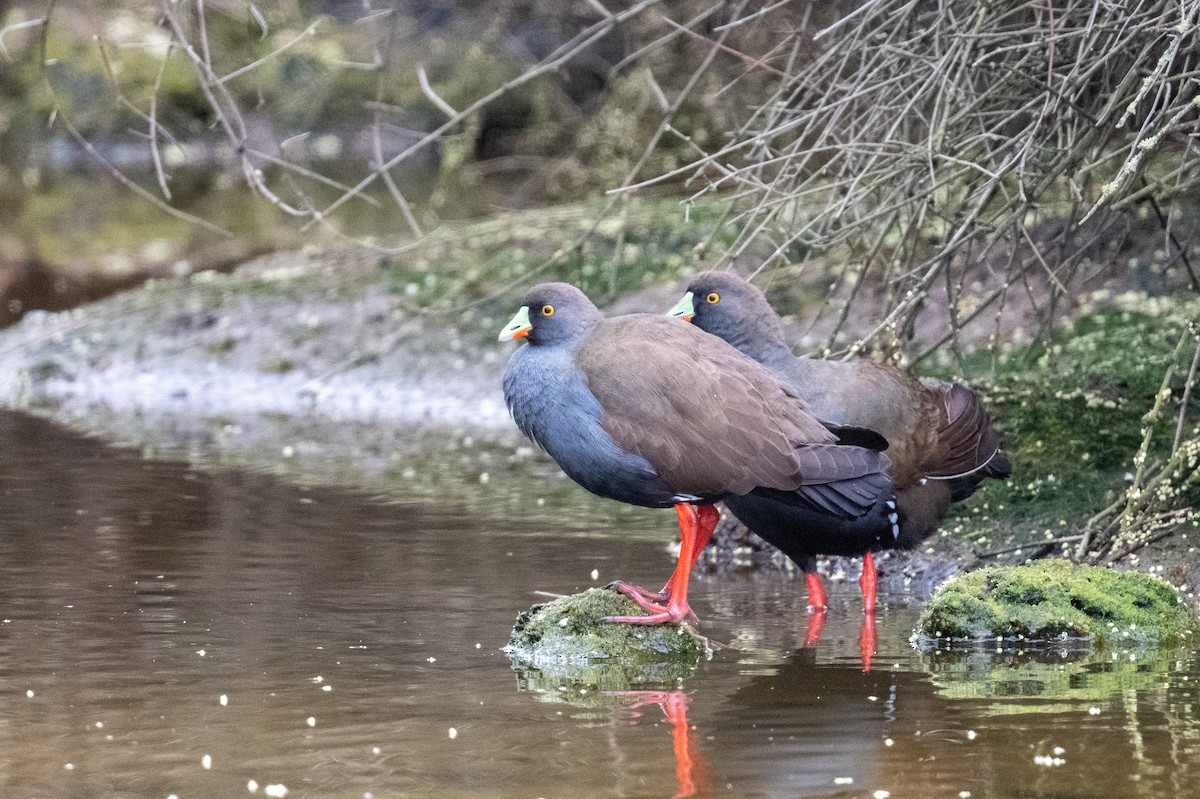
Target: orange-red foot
point(671, 613)
point(695, 527)
point(642, 595)
point(656, 603)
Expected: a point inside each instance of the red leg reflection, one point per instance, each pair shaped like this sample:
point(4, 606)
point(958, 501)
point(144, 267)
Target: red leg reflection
point(675, 710)
point(689, 766)
point(816, 623)
point(866, 641)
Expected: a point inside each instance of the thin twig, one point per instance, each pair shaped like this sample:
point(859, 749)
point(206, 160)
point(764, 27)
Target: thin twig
point(1066, 539)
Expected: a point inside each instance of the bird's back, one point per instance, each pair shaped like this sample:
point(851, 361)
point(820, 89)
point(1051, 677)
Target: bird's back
point(705, 415)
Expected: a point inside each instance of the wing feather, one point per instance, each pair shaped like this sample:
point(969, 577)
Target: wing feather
point(709, 419)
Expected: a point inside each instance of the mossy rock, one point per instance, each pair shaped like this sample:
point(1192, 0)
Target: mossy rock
point(567, 642)
point(1055, 600)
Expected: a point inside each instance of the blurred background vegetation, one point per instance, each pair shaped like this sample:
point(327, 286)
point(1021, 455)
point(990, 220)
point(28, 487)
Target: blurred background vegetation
point(947, 184)
point(146, 137)
point(993, 159)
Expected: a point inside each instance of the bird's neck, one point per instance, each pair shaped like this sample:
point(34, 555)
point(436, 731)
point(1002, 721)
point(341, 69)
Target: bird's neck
point(767, 347)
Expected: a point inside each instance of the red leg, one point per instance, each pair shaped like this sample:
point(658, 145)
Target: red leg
point(695, 525)
point(868, 581)
point(816, 592)
point(708, 518)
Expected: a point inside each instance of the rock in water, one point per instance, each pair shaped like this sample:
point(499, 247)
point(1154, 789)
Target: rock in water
point(569, 641)
point(1055, 599)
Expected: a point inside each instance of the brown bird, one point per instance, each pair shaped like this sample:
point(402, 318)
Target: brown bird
point(942, 444)
point(645, 410)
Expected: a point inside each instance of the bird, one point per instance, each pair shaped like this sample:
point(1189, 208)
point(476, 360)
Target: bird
point(647, 411)
point(942, 442)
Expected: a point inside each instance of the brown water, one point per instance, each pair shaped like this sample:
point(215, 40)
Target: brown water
point(169, 631)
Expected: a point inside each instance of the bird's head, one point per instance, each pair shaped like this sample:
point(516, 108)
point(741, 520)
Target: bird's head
point(725, 305)
point(553, 313)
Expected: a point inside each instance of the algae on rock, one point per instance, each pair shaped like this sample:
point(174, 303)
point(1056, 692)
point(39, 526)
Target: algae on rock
point(1054, 599)
point(568, 641)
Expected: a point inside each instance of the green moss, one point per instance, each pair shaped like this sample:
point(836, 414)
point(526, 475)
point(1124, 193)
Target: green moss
point(278, 366)
point(593, 683)
point(1082, 395)
point(1054, 599)
point(1072, 412)
point(569, 641)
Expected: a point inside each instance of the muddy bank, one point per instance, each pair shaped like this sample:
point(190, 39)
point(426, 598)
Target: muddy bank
point(293, 363)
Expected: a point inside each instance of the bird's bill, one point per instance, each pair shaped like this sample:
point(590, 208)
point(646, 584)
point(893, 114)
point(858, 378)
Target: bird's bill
point(683, 309)
point(518, 327)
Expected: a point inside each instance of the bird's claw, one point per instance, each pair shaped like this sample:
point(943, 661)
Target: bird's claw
point(658, 614)
point(639, 594)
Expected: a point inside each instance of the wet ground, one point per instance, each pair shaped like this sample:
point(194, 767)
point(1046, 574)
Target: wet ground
point(168, 630)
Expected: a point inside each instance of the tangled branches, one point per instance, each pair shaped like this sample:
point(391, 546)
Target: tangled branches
point(924, 138)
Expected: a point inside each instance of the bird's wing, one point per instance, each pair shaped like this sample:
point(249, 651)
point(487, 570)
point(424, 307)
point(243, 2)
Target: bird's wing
point(709, 420)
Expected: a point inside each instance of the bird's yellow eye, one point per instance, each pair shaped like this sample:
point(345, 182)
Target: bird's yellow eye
point(547, 310)
point(713, 298)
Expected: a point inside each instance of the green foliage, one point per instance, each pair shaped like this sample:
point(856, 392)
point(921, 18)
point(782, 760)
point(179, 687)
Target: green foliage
point(1081, 395)
point(1052, 599)
point(1072, 411)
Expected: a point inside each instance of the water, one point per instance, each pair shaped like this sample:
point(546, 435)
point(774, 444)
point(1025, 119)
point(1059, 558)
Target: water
point(169, 631)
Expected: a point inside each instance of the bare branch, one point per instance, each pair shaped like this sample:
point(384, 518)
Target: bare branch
point(17, 26)
point(433, 96)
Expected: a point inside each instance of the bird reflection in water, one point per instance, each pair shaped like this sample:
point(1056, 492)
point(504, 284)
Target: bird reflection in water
point(690, 767)
point(867, 645)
